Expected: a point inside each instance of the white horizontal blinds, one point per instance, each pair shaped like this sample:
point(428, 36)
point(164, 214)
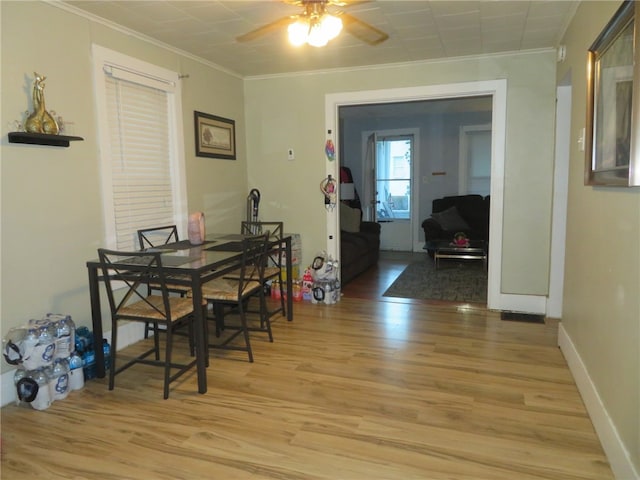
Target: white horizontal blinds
point(138, 122)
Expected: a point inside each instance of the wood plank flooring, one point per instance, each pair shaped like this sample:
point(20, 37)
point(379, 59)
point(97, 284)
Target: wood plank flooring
point(370, 388)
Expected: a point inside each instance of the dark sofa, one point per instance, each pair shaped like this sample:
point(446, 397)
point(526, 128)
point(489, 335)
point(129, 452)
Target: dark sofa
point(460, 213)
point(359, 244)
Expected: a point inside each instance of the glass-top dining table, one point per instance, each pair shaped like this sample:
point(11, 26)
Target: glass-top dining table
point(218, 255)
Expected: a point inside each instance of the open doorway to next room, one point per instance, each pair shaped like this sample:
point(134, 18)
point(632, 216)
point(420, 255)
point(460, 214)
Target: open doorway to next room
point(447, 152)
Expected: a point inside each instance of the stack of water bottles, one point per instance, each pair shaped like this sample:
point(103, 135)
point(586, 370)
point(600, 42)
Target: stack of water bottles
point(52, 358)
point(325, 272)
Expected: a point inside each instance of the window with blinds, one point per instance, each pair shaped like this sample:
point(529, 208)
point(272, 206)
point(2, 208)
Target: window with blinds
point(142, 167)
point(140, 160)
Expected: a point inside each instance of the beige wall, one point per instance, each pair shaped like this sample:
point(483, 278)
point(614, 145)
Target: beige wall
point(601, 305)
point(288, 112)
point(51, 203)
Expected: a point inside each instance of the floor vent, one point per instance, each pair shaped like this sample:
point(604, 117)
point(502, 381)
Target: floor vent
point(522, 317)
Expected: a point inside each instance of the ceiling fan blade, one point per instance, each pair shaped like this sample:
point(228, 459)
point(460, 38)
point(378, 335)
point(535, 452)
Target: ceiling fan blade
point(362, 30)
point(348, 3)
point(328, 3)
point(268, 28)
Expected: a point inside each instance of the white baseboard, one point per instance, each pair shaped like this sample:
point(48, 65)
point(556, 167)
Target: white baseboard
point(617, 454)
point(127, 335)
point(508, 302)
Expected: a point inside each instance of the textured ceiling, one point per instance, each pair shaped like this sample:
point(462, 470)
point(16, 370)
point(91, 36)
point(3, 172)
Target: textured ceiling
point(418, 30)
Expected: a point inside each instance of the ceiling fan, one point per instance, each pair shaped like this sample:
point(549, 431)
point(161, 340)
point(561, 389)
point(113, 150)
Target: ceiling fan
point(318, 23)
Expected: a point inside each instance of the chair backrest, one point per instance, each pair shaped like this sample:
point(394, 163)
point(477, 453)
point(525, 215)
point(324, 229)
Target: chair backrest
point(157, 236)
point(276, 228)
point(134, 270)
point(257, 228)
point(254, 256)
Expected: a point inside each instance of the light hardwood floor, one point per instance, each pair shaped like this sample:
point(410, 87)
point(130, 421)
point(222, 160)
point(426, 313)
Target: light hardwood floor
point(370, 388)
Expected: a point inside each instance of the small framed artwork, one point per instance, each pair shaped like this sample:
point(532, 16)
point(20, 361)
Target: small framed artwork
point(215, 136)
point(613, 101)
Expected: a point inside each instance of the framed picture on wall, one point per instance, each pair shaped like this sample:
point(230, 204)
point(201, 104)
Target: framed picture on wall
point(215, 136)
point(611, 133)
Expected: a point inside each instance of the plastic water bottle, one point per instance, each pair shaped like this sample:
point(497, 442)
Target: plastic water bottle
point(17, 376)
point(43, 397)
point(59, 379)
point(106, 350)
point(65, 335)
point(76, 372)
point(89, 360)
point(84, 339)
point(29, 359)
point(45, 349)
point(297, 291)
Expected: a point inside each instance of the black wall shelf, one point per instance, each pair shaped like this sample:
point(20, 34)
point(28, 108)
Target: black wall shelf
point(42, 139)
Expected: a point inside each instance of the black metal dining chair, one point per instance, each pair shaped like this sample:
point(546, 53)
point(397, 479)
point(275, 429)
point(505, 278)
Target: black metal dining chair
point(275, 257)
point(135, 271)
point(157, 237)
point(231, 295)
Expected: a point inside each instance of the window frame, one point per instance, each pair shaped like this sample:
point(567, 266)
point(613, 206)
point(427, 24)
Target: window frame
point(155, 77)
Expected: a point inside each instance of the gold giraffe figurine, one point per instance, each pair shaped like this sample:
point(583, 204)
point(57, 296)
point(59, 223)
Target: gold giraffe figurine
point(40, 121)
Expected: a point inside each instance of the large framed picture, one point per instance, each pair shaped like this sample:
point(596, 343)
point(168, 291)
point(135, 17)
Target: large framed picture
point(613, 101)
point(215, 136)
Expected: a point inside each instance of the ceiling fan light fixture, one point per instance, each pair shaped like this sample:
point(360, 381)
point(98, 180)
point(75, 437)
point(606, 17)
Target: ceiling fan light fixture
point(317, 37)
point(331, 26)
point(298, 32)
point(316, 32)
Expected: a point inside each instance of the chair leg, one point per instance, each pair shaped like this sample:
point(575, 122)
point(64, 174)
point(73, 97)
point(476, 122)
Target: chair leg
point(146, 329)
point(218, 313)
point(167, 361)
point(241, 330)
point(114, 349)
point(282, 299)
point(265, 320)
point(156, 340)
point(192, 343)
point(245, 331)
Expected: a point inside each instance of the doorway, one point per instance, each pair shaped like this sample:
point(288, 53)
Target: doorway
point(440, 128)
point(497, 90)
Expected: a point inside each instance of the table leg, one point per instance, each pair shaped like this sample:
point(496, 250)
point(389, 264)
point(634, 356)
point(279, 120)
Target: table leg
point(199, 327)
point(96, 320)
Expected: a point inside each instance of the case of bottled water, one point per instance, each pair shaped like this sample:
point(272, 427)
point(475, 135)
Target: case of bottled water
point(48, 365)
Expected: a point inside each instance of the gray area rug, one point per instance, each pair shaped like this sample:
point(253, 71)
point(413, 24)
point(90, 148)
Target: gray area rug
point(454, 281)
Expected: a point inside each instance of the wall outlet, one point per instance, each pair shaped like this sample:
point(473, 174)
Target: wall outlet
point(581, 140)
point(290, 154)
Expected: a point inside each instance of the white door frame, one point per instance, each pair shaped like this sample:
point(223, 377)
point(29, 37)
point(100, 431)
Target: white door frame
point(560, 194)
point(498, 90)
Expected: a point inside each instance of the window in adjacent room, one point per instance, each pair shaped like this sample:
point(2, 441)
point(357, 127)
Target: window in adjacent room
point(475, 160)
point(141, 146)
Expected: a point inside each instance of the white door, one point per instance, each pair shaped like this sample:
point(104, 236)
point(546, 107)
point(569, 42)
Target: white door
point(393, 184)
